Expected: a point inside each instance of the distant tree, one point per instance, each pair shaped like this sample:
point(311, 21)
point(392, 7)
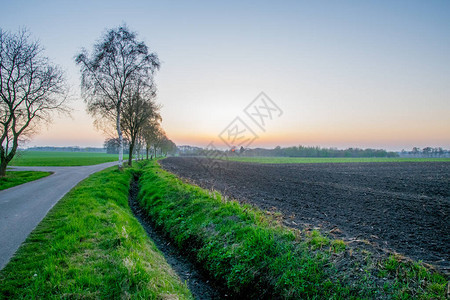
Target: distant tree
point(427, 151)
point(138, 147)
point(277, 151)
point(116, 62)
point(31, 88)
point(151, 133)
point(167, 146)
point(160, 137)
point(112, 145)
point(416, 150)
point(435, 151)
point(156, 137)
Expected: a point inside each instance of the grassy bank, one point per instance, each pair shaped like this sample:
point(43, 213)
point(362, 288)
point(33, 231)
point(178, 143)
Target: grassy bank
point(252, 255)
point(310, 160)
point(55, 158)
point(91, 246)
point(19, 177)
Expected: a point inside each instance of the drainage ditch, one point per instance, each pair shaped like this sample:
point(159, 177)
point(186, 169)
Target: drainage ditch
point(198, 283)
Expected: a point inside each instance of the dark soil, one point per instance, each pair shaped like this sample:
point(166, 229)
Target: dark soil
point(198, 284)
point(399, 207)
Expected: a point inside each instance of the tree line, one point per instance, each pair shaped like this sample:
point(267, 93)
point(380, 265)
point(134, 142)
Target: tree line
point(117, 84)
point(66, 149)
point(303, 151)
point(159, 146)
point(426, 152)
point(295, 151)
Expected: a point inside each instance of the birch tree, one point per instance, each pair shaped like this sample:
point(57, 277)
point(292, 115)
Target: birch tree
point(138, 111)
point(116, 61)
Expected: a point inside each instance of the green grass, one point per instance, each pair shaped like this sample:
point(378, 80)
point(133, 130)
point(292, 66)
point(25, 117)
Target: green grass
point(309, 160)
point(91, 246)
point(14, 178)
point(43, 158)
point(235, 244)
point(253, 255)
point(407, 274)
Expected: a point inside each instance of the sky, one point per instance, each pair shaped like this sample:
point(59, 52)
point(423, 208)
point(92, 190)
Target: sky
point(368, 74)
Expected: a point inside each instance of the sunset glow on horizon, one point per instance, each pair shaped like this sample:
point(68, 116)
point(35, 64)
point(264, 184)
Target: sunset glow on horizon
point(347, 74)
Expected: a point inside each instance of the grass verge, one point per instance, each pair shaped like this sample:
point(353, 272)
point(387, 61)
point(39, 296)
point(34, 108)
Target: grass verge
point(56, 159)
point(14, 178)
point(253, 255)
point(309, 160)
point(91, 246)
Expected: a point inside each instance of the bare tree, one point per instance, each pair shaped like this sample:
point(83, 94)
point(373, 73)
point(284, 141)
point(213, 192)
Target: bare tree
point(111, 145)
point(162, 142)
point(116, 61)
point(153, 136)
point(427, 151)
point(416, 151)
point(31, 89)
point(139, 144)
point(137, 111)
point(167, 146)
point(151, 132)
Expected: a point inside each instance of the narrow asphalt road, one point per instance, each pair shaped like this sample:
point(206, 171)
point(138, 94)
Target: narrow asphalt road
point(22, 207)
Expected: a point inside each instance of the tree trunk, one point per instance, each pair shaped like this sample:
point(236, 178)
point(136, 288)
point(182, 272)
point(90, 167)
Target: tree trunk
point(3, 165)
point(146, 149)
point(5, 157)
point(130, 154)
point(119, 132)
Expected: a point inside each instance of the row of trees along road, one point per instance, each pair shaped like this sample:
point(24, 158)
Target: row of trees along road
point(151, 139)
point(116, 83)
point(31, 88)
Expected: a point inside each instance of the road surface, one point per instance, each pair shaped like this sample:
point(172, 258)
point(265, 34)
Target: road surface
point(22, 207)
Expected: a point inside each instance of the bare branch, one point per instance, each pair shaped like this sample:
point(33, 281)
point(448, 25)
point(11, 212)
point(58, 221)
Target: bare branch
point(31, 89)
point(117, 62)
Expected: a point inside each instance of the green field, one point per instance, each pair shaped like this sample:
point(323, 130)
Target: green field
point(90, 246)
point(312, 160)
point(50, 158)
point(14, 178)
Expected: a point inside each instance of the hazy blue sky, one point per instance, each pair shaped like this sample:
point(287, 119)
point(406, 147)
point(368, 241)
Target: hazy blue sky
point(345, 73)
